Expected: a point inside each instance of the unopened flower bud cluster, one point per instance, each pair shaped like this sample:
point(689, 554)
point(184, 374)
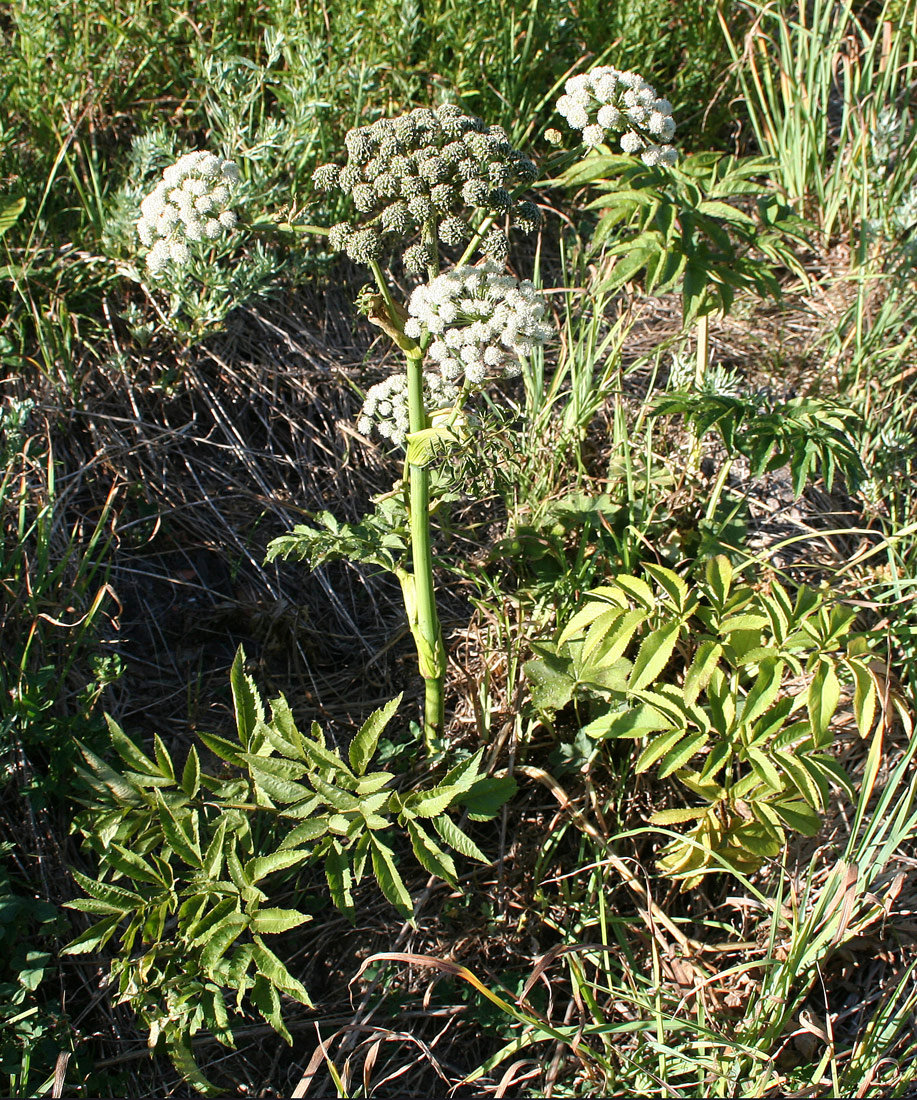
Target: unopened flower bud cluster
point(481, 322)
point(386, 405)
point(606, 101)
point(190, 203)
point(421, 172)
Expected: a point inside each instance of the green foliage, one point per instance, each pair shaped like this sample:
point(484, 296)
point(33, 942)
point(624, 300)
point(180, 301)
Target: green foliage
point(380, 538)
point(815, 82)
point(190, 863)
point(33, 1028)
point(47, 563)
point(804, 433)
point(709, 226)
point(729, 691)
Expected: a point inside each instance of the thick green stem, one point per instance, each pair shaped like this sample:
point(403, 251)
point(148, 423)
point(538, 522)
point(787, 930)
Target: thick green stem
point(417, 587)
point(431, 652)
point(700, 373)
point(703, 350)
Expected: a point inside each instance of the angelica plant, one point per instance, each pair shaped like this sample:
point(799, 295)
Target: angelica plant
point(425, 181)
point(431, 186)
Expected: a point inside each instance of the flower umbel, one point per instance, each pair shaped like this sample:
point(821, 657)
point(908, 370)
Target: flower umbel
point(386, 405)
point(420, 173)
point(481, 322)
point(607, 101)
point(190, 203)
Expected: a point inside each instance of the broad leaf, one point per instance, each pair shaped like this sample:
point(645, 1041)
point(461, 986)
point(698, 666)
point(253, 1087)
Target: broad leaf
point(274, 921)
point(363, 746)
point(388, 877)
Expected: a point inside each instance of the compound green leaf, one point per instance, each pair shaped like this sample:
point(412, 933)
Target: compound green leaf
point(799, 816)
point(657, 748)
point(222, 936)
point(246, 702)
point(455, 838)
point(94, 938)
point(619, 637)
point(261, 866)
point(274, 970)
point(191, 774)
point(390, 882)
point(363, 746)
point(822, 699)
point(429, 854)
point(638, 589)
point(763, 692)
point(653, 655)
point(679, 756)
point(635, 721)
point(765, 769)
point(339, 878)
point(488, 795)
point(202, 928)
point(273, 921)
point(701, 669)
point(678, 816)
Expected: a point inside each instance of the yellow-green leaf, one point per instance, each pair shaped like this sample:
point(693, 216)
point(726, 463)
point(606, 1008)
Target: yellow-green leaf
point(657, 748)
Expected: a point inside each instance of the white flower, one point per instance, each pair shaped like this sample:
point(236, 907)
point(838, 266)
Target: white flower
point(605, 101)
point(577, 116)
point(481, 321)
point(190, 203)
point(609, 118)
point(385, 407)
point(158, 258)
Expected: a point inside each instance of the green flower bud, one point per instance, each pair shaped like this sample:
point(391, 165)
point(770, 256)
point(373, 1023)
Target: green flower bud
point(443, 197)
point(496, 246)
point(338, 236)
point(524, 168)
point(396, 218)
point(453, 231)
point(349, 177)
point(435, 168)
point(361, 143)
point(364, 197)
point(326, 176)
point(527, 216)
point(476, 192)
point(416, 259)
point(387, 185)
point(412, 186)
point(425, 119)
point(421, 207)
point(454, 152)
point(364, 246)
point(402, 166)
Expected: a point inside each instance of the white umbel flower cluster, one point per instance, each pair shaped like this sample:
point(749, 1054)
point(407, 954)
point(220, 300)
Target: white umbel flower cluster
point(481, 322)
point(190, 203)
point(607, 101)
point(385, 408)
